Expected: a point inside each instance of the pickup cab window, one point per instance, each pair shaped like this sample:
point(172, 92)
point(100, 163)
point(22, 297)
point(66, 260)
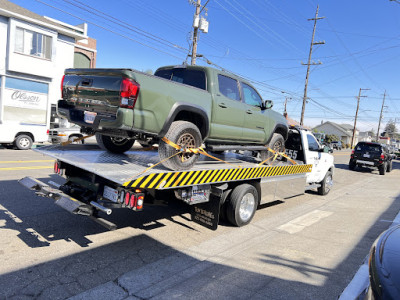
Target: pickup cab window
point(195, 78)
point(312, 143)
point(228, 87)
point(250, 96)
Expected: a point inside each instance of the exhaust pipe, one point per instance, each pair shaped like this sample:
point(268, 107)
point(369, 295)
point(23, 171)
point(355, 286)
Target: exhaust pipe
point(108, 211)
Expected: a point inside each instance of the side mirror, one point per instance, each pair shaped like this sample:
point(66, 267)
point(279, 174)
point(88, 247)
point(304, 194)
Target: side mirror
point(268, 104)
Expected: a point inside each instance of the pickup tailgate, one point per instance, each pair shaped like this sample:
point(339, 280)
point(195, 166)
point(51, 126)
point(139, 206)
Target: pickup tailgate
point(94, 90)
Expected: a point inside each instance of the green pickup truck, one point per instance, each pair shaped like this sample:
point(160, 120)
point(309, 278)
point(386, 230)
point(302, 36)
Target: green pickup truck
point(189, 105)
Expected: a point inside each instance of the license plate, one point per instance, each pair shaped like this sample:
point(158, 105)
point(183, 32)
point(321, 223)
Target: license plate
point(89, 117)
point(110, 194)
point(366, 155)
point(365, 162)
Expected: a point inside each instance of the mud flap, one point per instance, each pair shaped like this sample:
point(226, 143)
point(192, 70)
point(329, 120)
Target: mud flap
point(207, 214)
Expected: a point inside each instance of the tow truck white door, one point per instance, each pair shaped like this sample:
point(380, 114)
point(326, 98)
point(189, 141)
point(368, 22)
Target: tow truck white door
point(313, 156)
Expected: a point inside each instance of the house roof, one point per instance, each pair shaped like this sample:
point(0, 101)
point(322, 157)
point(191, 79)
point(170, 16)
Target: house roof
point(12, 10)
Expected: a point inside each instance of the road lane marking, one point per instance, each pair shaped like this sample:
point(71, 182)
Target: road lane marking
point(298, 224)
point(23, 161)
point(26, 168)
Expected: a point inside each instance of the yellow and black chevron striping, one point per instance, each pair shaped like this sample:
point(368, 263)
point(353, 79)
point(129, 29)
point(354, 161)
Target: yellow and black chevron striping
point(187, 178)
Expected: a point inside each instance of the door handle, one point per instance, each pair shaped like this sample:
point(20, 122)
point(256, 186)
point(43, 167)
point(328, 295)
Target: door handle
point(249, 112)
point(223, 105)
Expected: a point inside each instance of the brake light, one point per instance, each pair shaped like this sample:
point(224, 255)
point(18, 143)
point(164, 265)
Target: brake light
point(48, 131)
point(129, 92)
point(382, 156)
point(62, 84)
point(132, 203)
point(127, 198)
point(352, 151)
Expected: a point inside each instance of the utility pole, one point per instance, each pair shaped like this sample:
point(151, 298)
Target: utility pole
point(198, 24)
point(286, 100)
point(380, 117)
point(355, 119)
point(309, 63)
point(195, 33)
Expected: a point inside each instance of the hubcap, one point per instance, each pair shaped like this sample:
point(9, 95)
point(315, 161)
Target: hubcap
point(247, 207)
point(277, 146)
point(24, 142)
point(186, 140)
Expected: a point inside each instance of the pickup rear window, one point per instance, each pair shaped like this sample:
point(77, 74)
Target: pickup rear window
point(194, 78)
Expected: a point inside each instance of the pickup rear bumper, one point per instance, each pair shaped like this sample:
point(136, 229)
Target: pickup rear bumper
point(123, 119)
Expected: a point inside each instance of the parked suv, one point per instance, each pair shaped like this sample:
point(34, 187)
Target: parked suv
point(336, 145)
point(371, 155)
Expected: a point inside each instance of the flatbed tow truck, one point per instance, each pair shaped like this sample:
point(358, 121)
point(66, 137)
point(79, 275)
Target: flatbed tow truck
point(99, 181)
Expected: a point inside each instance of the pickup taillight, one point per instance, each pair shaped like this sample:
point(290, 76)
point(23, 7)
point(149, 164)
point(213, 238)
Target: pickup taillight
point(129, 92)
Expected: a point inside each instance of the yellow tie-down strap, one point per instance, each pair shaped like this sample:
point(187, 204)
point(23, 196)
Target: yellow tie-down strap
point(187, 178)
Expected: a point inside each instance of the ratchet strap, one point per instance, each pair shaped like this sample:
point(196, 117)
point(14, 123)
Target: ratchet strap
point(275, 156)
point(76, 140)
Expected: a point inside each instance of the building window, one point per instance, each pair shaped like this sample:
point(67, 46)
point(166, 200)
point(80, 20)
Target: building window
point(32, 43)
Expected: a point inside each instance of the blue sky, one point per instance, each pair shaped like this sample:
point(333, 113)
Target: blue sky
point(262, 40)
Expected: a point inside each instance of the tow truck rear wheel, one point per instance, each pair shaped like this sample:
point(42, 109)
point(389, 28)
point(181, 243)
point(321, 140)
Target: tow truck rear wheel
point(242, 205)
point(326, 184)
point(185, 135)
point(277, 144)
point(114, 144)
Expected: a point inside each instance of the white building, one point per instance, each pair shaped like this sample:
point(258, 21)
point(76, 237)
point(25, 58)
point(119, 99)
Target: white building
point(34, 52)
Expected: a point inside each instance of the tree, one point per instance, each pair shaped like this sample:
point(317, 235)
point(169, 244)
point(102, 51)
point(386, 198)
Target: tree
point(390, 128)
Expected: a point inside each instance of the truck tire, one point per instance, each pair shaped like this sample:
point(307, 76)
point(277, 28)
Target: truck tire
point(389, 167)
point(326, 184)
point(277, 143)
point(382, 169)
point(242, 205)
point(352, 165)
point(184, 134)
point(23, 142)
point(114, 144)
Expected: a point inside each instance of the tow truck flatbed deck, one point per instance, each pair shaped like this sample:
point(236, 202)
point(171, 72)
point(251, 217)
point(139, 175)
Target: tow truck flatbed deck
point(131, 169)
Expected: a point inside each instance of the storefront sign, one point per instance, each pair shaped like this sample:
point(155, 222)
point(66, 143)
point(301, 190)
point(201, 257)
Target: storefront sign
point(25, 99)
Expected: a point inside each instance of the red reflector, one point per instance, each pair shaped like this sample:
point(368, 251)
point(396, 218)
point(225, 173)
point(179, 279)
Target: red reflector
point(62, 85)
point(133, 201)
point(127, 196)
point(129, 92)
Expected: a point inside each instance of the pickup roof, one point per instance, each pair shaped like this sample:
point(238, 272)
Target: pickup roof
point(189, 105)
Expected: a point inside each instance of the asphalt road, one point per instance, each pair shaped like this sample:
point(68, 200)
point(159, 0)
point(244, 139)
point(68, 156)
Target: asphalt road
point(308, 247)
